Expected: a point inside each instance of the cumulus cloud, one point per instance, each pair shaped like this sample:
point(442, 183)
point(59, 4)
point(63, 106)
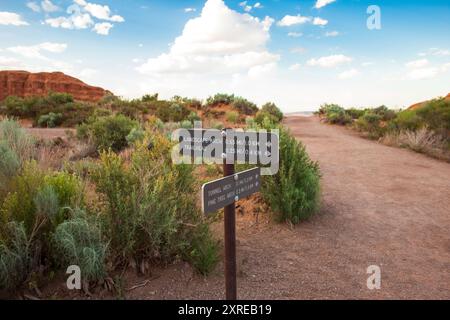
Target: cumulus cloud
point(36, 50)
point(329, 61)
point(295, 67)
point(320, 22)
point(103, 28)
point(48, 6)
point(11, 18)
point(8, 62)
point(348, 74)
point(82, 15)
point(289, 20)
point(323, 3)
point(209, 44)
point(34, 6)
point(248, 7)
point(422, 73)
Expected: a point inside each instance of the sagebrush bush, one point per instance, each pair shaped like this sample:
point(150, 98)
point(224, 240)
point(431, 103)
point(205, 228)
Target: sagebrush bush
point(78, 241)
point(244, 106)
point(370, 124)
point(108, 132)
point(272, 109)
point(293, 193)
point(15, 259)
point(150, 212)
point(232, 116)
point(17, 140)
point(50, 120)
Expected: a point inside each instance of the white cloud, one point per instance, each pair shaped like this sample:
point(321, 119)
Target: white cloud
point(88, 73)
point(289, 20)
point(35, 52)
point(247, 7)
point(48, 6)
point(320, 22)
point(8, 62)
point(367, 64)
point(11, 18)
point(258, 5)
point(446, 67)
point(295, 34)
point(323, 3)
point(208, 44)
point(329, 61)
point(295, 67)
point(82, 14)
point(102, 12)
point(34, 6)
point(331, 34)
point(348, 74)
point(190, 10)
point(417, 63)
point(439, 52)
point(103, 28)
point(422, 73)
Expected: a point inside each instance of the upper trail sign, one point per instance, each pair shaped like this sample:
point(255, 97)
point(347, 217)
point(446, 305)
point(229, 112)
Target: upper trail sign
point(233, 146)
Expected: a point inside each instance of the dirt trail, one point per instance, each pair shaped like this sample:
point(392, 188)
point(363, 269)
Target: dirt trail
point(380, 206)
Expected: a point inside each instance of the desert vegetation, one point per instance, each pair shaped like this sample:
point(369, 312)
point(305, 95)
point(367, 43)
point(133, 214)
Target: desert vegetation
point(110, 199)
point(425, 129)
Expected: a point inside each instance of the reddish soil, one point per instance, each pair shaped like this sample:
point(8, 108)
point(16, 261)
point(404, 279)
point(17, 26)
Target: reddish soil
point(380, 206)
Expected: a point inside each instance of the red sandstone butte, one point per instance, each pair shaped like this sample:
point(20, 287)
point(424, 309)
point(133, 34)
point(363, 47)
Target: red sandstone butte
point(27, 84)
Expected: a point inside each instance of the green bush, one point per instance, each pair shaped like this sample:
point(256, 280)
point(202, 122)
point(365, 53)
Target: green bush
point(335, 114)
point(220, 98)
point(370, 123)
point(79, 242)
point(355, 113)
point(50, 120)
point(21, 144)
point(232, 116)
point(436, 116)
point(15, 259)
point(150, 212)
point(293, 193)
point(108, 132)
point(272, 109)
point(186, 124)
point(9, 165)
point(136, 134)
point(244, 106)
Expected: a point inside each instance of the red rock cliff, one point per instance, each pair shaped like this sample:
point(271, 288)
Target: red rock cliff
point(26, 84)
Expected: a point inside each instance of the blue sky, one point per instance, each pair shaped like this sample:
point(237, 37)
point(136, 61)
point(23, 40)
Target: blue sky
point(298, 54)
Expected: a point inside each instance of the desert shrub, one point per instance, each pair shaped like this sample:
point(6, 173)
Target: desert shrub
point(232, 116)
point(150, 211)
point(50, 120)
point(250, 122)
point(172, 112)
point(17, 140)
point(244, 106)
point(9, 165)
point(385, 113)
point(370, 124)
point(107, 132)
point(193, 117)
point(436, 116)
point(293, 193)
point(355, 113)
point(15, 261)
point(78, 241)
point(218, 125)
point(186, 124)
point(422, 140)
point(335, 114)
point(136, 134)
point(262, 117)
point(150, 97)
point(15, 106)
point(58, 98)
point(272, 109)
point(406, 120)
point(220, 98)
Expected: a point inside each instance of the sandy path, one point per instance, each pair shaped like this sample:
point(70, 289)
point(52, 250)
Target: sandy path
point(381, 206)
